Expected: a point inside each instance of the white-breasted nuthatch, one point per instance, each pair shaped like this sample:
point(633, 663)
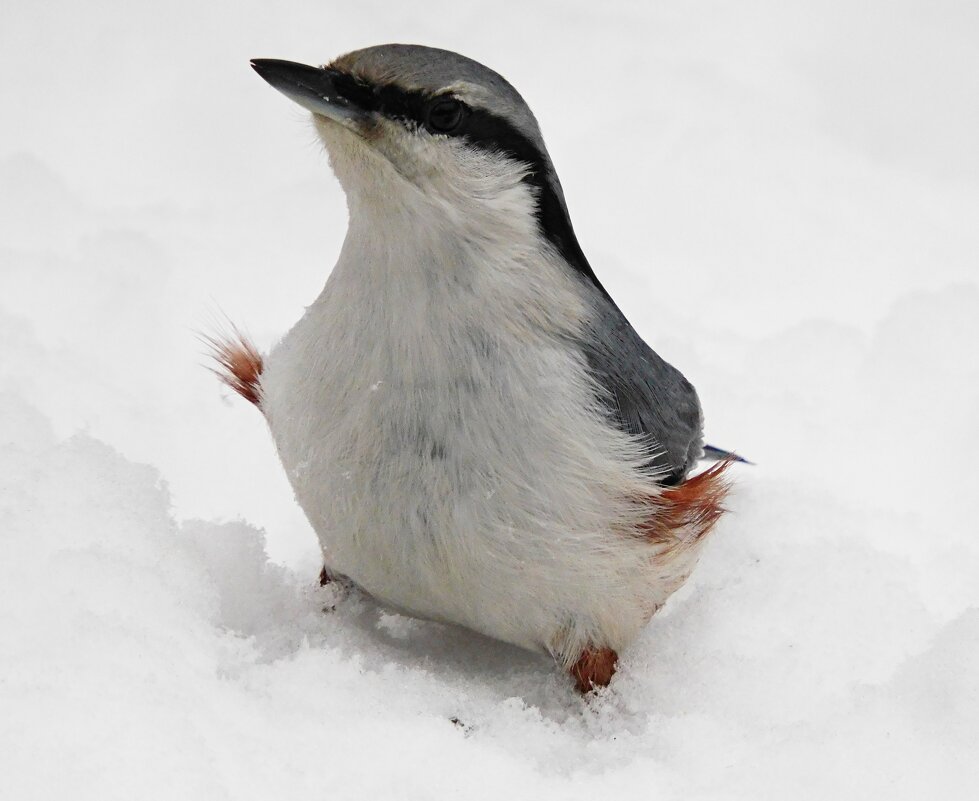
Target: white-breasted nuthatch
point(473, 428)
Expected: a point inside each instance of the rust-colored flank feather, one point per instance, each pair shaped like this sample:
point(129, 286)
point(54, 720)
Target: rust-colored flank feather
point(685, 514)
point(680, 517)
point(239, 364)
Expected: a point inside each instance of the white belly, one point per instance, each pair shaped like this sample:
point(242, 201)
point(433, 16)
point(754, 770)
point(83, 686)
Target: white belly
point(458, 470)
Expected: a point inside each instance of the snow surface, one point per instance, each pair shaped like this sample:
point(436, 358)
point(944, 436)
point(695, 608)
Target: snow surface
point(784, 199)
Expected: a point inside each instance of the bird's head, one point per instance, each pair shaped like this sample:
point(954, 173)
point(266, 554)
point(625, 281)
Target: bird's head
point(406, 124)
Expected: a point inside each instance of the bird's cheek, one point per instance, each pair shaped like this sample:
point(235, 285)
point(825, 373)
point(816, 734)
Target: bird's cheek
point(373, 130)
point(406, 160)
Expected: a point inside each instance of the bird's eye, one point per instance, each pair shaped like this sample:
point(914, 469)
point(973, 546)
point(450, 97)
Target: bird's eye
point(445, 115)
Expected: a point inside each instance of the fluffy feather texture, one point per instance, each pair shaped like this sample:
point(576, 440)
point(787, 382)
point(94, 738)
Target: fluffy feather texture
point(685, 514)
point(646, 396)
point(443, 429)
point(239, 364)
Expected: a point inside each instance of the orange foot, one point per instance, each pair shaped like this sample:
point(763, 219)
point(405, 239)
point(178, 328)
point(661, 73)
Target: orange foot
point(594, 668)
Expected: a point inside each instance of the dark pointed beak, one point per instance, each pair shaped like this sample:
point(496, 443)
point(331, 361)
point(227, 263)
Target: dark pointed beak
point(313, 88)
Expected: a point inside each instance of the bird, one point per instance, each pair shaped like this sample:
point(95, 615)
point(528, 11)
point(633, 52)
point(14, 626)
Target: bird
point(474, 430)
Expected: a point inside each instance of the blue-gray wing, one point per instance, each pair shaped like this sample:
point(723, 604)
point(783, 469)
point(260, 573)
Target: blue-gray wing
point(646, 397)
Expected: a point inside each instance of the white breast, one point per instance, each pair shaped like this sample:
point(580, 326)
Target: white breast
point(436, 421)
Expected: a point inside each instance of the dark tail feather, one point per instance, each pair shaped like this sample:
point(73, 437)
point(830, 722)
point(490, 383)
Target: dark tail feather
point(715, 454)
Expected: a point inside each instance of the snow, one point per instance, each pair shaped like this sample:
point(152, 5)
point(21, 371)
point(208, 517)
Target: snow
point(782, 197)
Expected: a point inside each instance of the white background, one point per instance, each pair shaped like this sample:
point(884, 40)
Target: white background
point(784, 200)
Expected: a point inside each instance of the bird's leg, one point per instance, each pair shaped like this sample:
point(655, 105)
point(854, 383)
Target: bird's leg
point(338, 587)
point(338, 581)
point(594, 668)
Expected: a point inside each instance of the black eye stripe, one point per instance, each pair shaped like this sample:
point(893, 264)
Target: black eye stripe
point(492, 133)
point(481, 128)
point(391, 101)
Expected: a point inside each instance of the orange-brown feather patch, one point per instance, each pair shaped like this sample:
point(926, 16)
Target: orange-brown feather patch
point(239, 364)
point(686, 513)
point(594, 668)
